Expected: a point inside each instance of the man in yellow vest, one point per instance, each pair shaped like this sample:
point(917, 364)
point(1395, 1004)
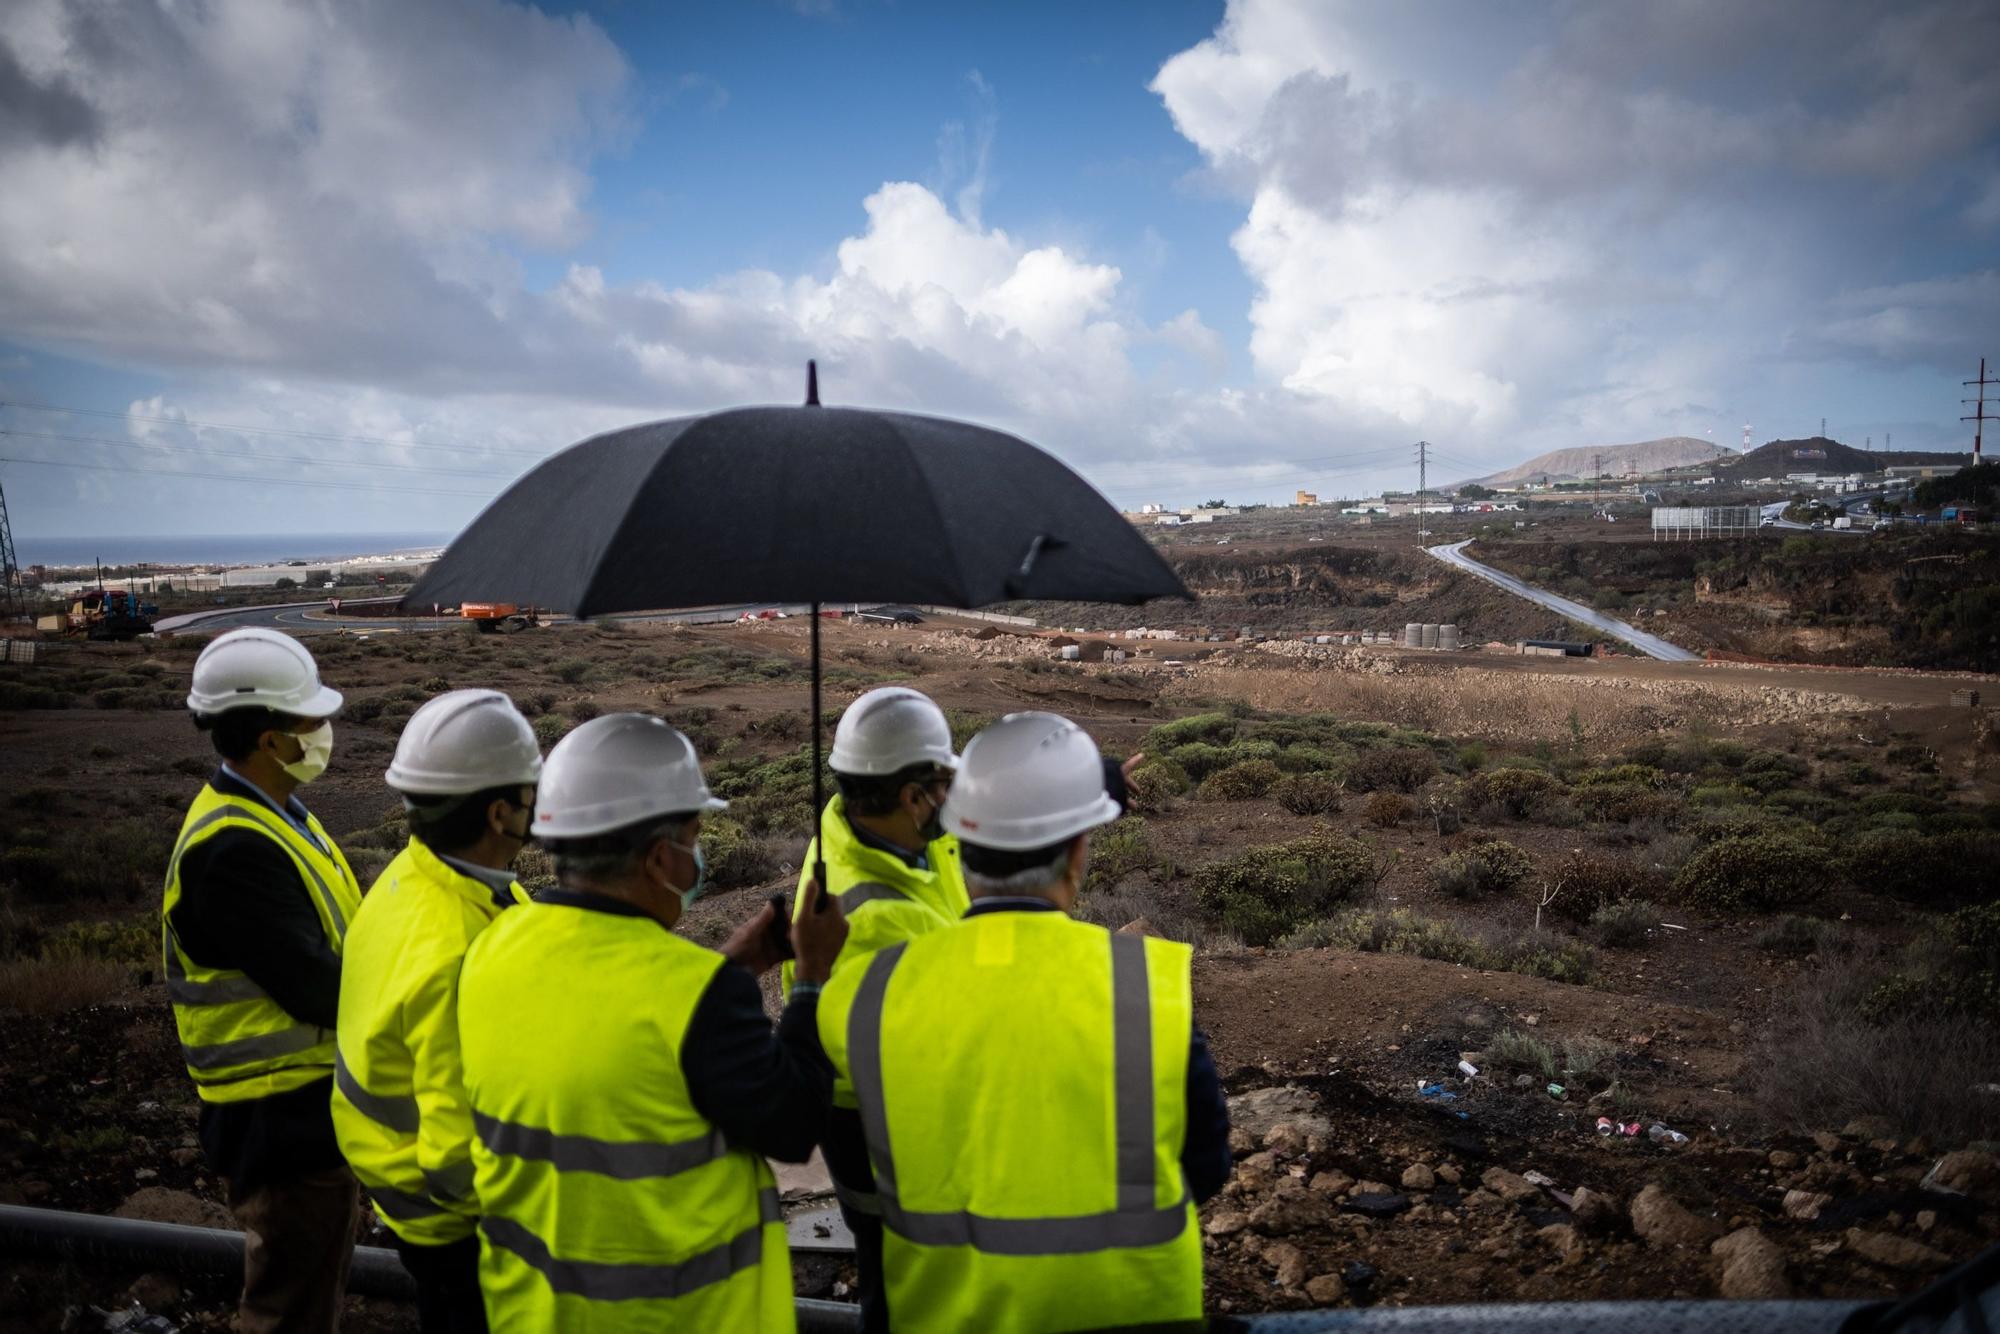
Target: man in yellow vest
point(625, 1083)
point(466, 766)
point(1040, 1111)
point(896, 875)
point(258, 899)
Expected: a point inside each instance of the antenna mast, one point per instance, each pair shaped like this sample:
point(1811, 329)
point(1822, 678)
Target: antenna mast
point(11, 602)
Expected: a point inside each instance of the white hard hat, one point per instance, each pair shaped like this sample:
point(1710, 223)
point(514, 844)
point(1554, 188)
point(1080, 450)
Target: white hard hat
point(1029, 781)
point(615, 771)
point(258, 668)
point(888, 730)
point(464, 741)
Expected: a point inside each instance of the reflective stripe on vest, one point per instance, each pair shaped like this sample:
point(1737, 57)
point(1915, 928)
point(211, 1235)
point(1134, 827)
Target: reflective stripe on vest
point(399, 1113)
point(328, 900)
point(237, 1041)
point(622, 1160)
point(1135, 1223)
point(869, 892)
point(182, 990)
point(262, 1047)
point(637, 1282)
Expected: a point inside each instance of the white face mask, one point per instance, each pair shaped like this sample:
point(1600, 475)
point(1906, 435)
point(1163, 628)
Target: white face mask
point(318, 745)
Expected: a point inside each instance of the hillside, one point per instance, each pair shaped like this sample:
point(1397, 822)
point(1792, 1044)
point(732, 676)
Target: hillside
point(1647, 456)
point(1817, 454)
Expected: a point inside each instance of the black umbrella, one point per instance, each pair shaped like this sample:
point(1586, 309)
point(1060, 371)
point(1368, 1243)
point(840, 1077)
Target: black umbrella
point(803, 504)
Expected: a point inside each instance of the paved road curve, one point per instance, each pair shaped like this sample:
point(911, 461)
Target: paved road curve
point(292, 619)
point(1651, 645)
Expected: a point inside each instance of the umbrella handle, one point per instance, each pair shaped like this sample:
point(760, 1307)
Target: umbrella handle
point(819, 795)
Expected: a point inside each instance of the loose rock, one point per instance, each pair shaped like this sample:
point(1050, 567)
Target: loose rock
point(1966, 1172)
point(1893, 1252)
point(1326, 1289)
point(1805, 1204)
point(1290, 1208)
point(1419, 1176)
point(1285, 1140)
point(1509, 1186)
point(1447, 1172)
point(1225, 1223)
point(1753, 1268)
point(1564, 1239)
point(1663, 1221)
point(1784, 1160)
point(1595, 1211)
point(1333, 1181)
point(1261, 1110)
point(1376, 1204)
point(1289, 1262)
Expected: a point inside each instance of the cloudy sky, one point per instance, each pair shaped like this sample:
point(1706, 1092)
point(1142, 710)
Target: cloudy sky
point(399, 249)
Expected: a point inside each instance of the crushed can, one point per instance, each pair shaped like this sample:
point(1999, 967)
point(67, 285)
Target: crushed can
point(1606, 1126)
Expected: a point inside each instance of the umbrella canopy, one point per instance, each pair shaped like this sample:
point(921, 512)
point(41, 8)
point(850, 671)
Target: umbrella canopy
point(804, 504)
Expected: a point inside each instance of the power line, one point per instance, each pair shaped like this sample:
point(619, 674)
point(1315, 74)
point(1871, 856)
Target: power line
point(313, 482)
point(169, 451)
point(268, 430)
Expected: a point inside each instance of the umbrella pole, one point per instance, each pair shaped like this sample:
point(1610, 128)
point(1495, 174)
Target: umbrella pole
point(819, 796)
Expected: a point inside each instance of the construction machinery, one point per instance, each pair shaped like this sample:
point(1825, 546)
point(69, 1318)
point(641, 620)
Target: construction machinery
point(499, 618)
point(101, 613)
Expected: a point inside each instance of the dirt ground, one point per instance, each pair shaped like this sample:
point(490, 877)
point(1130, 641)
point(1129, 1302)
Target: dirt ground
point(95, 1111)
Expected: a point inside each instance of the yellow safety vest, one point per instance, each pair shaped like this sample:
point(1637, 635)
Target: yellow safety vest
point(1023, 1087)
point(399, 1106)
point(884, 897)
point(238, 1043)
point(608, 1202)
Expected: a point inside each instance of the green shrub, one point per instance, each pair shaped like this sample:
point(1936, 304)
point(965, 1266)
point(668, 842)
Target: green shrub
point(1771, 771)
point(1483, 868)
point(1117, 851)
point(571, 671)
point(1794, 937)
point(1511, 1049)
point(1472, 757)
point(733, 856)
point(1623, 803)
point(1923, 868)
point(1243, 781)
point(1394, 768)
point(1642, 775)
point(583, 710)
point(1312, 760)
point(1309, 793)
point(1199, 759)
point(1515, 794)
point(1545, 955)
point(1154, 785)
point(1398, 932)
point(1584, 881)
point(1722, 794)
point(550, 727)
point(1625, 924)
point(1264, 892)
point(1208, 727)
point(1757, 872)
point(1815, 807)
point(1388, 810)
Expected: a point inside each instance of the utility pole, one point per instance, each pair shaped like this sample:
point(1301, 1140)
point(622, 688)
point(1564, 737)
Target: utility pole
point(1423, 464)
point(1978, 417)
point(1597, 482)
point(11, 602)
point(1822, 428)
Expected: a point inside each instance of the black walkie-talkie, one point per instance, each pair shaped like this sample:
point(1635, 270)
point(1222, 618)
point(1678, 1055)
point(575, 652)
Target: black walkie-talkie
point(781, 926)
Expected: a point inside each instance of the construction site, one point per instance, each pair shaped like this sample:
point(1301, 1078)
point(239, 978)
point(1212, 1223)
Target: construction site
point(1530, 977)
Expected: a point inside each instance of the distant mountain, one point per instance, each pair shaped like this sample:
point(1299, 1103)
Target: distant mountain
point(1817, 454)
point(1648, 456)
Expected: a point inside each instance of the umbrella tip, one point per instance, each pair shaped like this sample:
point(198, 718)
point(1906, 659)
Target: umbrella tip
point(812, 384)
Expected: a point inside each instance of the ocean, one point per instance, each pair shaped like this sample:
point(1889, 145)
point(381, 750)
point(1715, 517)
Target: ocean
point(225, 549)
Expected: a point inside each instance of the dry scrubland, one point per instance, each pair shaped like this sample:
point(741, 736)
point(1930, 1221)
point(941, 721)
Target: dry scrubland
point(1762, 913)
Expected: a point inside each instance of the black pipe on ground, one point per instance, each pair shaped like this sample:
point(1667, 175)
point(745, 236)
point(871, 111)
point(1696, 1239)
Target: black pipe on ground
point(56, 1234)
